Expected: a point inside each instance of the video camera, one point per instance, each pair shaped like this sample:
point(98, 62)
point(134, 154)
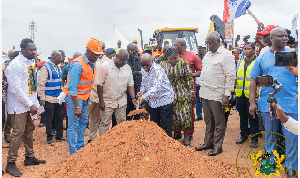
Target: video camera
point(268, 81)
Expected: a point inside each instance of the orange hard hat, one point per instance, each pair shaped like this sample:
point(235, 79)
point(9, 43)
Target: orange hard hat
point(134, 41)
point(95, 46)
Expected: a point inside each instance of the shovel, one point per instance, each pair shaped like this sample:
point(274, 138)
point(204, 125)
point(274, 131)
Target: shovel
point(137, 110)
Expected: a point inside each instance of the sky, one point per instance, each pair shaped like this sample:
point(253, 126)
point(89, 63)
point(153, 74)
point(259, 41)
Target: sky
point(69, 24)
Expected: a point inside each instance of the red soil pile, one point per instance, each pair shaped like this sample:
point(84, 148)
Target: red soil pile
point(138, 149)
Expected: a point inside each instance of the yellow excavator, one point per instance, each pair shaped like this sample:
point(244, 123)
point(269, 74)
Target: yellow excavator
point(171, 34)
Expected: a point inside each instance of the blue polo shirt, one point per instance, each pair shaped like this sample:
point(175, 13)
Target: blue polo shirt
point(75, 74)
point(286, 97)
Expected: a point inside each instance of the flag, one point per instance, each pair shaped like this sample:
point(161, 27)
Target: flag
point(211, 28)
point(294, 27)
point(234, 8)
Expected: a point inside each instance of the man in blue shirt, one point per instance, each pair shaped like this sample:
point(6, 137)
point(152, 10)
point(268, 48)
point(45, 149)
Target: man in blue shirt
point(79, 84)
point(264, 65)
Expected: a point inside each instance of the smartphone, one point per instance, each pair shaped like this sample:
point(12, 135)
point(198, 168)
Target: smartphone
point(238, 36)
point(266, 81)
point(283, 58)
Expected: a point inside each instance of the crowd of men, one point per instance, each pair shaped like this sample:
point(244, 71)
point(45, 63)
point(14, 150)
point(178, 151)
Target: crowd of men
point(103, 85)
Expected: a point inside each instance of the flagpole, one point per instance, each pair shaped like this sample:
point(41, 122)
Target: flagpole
point(256, 20)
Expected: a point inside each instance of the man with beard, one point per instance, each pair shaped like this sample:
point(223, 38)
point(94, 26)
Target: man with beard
point(21, 104)
point(264, 65)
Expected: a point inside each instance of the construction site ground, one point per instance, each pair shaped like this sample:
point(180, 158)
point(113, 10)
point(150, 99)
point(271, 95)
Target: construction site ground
point(233, 155)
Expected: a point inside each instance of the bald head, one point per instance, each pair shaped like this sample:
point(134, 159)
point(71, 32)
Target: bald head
point(56, 57)
point(277, 30)
point(122, 52)
point(146, 58)
point(147, 61)
point(132, 50)
point(11, 51)
point(181, 41)
point(76, 55)
point(132, 46)
point(214, 35)
point(279, 39)
point(180, 45)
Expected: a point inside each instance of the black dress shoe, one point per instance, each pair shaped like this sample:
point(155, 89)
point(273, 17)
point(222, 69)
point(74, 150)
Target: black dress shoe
point(7, 138)
point(62, 139)
point(291, 173)
point(190, 138)
point(215, 151)
point(241, 140)
point(177, 136)
point(204, 147)
point(199, 118)
point(65, 128)
point(254, 143)
point(41, 125)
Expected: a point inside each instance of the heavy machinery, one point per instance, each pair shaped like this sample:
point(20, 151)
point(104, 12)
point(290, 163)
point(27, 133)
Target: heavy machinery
point(171, 34)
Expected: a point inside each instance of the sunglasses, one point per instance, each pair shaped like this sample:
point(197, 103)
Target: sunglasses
point(133, 52)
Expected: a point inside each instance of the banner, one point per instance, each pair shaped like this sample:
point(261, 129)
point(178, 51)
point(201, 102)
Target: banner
point(229, 33)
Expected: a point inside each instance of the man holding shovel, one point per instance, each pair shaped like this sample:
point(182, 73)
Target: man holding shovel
point(158, 92)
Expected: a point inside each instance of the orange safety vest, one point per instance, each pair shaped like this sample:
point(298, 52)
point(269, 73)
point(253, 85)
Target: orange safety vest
point(140, 51)
point(86, 81)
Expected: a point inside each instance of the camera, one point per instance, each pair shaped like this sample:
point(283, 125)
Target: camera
point(268, 81)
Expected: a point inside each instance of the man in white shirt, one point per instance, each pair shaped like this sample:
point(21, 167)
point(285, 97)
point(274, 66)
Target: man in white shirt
point(217, 80)
point(113, 80)
point(21, 104)
point(93, 110)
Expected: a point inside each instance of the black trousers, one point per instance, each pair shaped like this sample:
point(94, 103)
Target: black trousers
point(162, 116)
point(113, 120)
point(245, 117)
point(131, 107)
point(54, 110)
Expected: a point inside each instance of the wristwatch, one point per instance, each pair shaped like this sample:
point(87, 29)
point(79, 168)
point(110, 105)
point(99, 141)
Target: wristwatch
point(77, 107)
point(133, 98)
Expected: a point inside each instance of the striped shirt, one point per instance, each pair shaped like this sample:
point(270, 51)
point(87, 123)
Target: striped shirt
point(156, 87)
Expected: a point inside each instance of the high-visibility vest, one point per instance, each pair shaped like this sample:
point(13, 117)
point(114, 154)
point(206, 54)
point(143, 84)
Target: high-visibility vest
point(86, 81)
point(117, 50)
point(54, 83)
point(240, 79)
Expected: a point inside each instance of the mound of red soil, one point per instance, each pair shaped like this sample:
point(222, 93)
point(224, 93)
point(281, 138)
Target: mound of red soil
point(138, 149)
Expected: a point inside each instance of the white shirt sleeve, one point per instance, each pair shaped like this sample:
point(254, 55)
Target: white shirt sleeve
point(292, 125)
point(14, 80)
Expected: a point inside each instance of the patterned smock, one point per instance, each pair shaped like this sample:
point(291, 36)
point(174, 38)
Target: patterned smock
point(182, 81)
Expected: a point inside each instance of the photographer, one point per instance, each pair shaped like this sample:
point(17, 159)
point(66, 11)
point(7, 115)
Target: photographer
point(264, 65)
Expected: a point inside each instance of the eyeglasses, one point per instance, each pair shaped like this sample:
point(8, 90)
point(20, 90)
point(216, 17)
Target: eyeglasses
point(133, 52)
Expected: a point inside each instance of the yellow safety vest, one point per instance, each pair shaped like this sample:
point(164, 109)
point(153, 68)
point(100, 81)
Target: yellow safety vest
point(240, 79)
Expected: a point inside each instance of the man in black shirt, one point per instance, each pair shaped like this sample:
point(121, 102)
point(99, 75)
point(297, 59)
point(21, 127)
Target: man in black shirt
point(135, 64)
